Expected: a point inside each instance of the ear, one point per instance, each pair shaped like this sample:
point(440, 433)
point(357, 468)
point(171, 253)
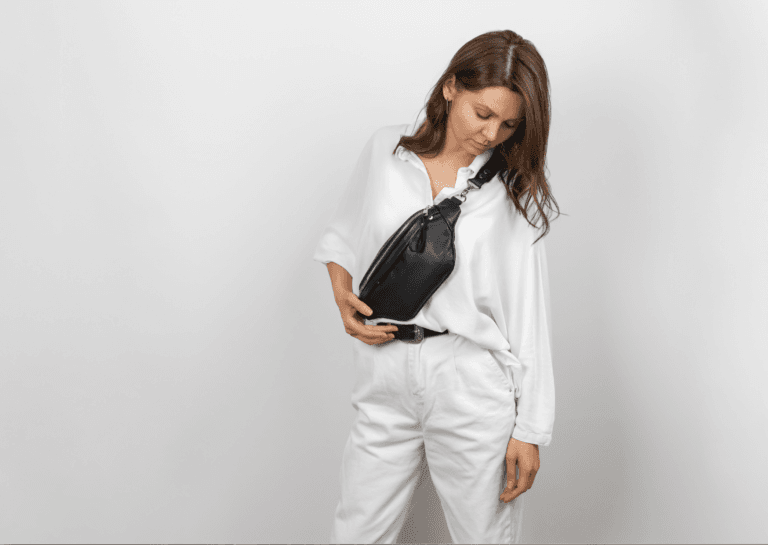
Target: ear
point(449, 88)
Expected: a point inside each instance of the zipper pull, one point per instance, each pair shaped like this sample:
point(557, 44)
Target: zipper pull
point(423, 237)
point(419, 244)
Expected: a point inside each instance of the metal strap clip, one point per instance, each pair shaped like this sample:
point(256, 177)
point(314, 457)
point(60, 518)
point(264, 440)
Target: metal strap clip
point(470, 186)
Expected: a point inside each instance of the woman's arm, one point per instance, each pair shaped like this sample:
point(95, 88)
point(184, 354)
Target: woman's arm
point(350, 305)
point(341, 280)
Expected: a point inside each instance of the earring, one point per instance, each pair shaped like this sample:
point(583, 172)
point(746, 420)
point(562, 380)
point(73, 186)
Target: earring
point(448, 107)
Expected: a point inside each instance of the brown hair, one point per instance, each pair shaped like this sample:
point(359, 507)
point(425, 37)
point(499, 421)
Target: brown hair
point(500, 58)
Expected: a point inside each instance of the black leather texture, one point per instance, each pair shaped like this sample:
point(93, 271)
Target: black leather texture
point(417, 258)
point(407, 332)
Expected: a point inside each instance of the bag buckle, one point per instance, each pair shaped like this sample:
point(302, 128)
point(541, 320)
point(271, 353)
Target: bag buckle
point(418, 334)
point(470, 186)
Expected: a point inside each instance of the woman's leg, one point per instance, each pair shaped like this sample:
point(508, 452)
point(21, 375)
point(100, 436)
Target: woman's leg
point(382, 458)
point(469, 417)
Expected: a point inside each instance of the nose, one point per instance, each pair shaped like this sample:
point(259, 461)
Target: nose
point(489, 134)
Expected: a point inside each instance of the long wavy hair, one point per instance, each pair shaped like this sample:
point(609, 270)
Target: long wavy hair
point(500, 59)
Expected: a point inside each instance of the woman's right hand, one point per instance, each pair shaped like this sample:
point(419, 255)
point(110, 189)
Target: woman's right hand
point(349, 306)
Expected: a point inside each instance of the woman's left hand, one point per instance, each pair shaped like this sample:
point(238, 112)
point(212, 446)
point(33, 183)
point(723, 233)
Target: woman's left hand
point(526, 456)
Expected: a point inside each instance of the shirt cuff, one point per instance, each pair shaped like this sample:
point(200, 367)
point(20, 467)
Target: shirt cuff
point(541, 439)
point(346, 260)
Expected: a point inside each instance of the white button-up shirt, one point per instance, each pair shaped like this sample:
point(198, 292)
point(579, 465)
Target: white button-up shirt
point(498, 292)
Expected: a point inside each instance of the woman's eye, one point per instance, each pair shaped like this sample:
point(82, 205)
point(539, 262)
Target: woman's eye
point(487, 116)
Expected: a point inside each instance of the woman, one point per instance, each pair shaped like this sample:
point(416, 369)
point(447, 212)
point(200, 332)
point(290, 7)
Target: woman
point(467, 384)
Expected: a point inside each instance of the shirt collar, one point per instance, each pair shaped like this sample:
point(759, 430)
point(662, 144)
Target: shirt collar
point(406, 154)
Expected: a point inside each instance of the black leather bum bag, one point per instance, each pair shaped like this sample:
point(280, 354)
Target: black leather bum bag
point(419, 256)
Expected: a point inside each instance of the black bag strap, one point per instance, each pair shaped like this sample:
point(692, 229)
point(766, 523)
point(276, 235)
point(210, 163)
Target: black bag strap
point(492, 167)
point(496, 163)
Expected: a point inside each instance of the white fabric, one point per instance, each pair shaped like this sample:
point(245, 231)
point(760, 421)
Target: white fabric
point(498, 293)
point(443, 404)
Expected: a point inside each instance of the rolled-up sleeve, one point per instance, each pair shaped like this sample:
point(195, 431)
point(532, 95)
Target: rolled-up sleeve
point(536, 403)
point(339, 241)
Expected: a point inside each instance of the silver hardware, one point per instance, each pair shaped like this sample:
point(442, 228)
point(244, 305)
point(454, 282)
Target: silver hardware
point(471, 185)
point(419, 335)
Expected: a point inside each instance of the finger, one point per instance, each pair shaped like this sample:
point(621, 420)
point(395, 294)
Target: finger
point(507, 497)
point(523, 484)
point(368, 333)
point(380, 333)
point(532, 476)
point(358, 305)
point(355, 326)
point(386, 328)
point(511, 474)
point(511, 491)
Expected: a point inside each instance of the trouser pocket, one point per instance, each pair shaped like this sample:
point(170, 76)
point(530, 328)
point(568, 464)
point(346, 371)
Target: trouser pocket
point(502, 371)
point(481, 366)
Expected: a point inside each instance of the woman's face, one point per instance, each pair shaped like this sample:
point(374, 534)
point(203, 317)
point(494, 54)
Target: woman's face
point(480, 120)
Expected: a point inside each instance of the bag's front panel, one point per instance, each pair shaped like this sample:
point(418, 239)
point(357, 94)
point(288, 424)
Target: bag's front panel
point(415, 275)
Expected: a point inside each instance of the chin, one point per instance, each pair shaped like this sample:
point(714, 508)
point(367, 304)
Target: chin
point(477, 149)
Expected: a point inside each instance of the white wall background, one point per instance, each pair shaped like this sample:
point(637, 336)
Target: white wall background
point(173, 367)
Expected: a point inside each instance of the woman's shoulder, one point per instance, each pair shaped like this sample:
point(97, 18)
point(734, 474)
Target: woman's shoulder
point(518, 227)
point(384, 139)
point(390, 133)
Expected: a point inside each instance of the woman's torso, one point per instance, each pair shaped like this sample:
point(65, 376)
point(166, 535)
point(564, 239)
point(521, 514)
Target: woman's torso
point(440, 175)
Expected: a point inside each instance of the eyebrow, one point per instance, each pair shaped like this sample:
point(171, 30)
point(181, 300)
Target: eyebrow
point(480, 104)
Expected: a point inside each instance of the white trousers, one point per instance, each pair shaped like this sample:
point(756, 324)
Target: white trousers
point(446, 399)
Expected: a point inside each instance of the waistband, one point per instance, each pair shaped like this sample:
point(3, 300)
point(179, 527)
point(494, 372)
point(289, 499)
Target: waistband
point(412, 333)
